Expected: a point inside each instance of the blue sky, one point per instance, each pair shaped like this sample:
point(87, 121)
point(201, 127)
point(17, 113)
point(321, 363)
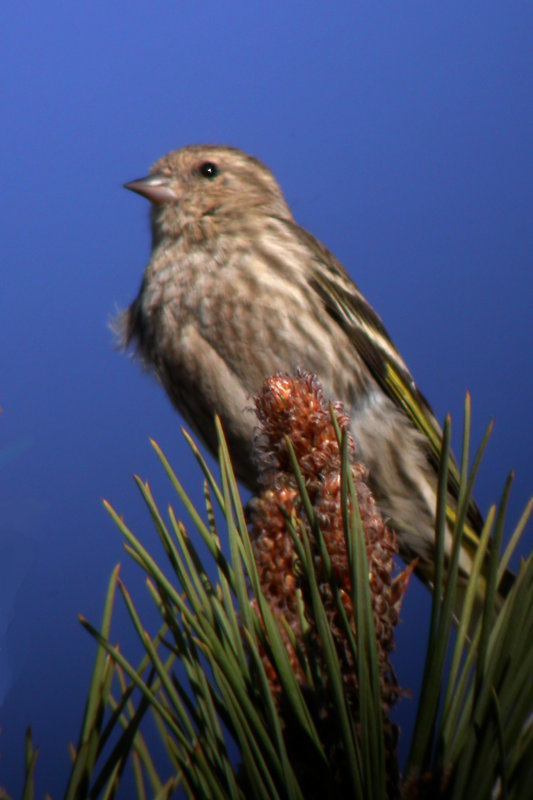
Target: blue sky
point(401, 134)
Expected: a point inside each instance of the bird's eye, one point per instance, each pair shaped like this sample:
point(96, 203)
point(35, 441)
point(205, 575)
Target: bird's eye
point(209, 170)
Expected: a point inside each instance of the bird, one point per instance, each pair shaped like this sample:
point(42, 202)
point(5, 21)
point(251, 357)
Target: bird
point(236, 291)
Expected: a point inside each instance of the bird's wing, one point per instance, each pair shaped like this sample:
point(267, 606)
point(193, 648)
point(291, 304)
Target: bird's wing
point(345, 303)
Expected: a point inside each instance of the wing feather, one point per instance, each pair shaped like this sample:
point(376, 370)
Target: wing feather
point(345, 303)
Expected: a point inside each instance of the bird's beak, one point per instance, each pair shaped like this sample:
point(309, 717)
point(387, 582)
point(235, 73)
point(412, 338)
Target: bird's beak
point(155, 188)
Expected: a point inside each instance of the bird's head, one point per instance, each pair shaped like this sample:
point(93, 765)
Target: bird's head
point(201, 182)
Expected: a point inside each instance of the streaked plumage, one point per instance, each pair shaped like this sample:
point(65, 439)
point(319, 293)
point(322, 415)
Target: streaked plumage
point(236, 291)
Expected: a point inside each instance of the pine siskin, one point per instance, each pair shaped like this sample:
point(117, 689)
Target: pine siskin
point(236, 291)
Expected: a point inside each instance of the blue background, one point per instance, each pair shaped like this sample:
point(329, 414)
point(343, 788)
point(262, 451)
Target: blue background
point(401, 133)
